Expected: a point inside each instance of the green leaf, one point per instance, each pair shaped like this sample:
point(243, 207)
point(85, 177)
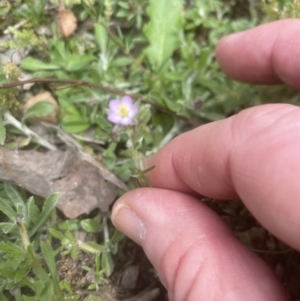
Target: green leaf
point(117, 236)
point(211, 116)
point(12, 249)
point(77, 62)
point(122, 61)
point(204, 57)
point(50, 260)
point(144, 114)
point(74, 124)
point(16, 198)
point(56, 234)
point(36, 65)
point(68, 106)
point(162, 30)
point(90, 225)
point(32, 211)
point(92, 247)
point(2, 131)
point(6, 209)
point(49, 205)
point(101, 37)
point(21, 273)
point(10, 228)
point(40, 109)
point(69, 225)
point(107, 263)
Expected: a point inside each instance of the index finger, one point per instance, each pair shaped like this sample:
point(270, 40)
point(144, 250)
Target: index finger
point(267, 54)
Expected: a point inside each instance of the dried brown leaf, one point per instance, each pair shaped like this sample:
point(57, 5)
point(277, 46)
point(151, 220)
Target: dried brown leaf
point(83, 183)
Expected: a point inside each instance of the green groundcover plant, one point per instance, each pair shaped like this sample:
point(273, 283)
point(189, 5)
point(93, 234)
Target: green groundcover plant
point(135, 74)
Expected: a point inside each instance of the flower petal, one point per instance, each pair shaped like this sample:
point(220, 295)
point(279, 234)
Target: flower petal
point(127, 100)
point(114, 118)
point(114, 104)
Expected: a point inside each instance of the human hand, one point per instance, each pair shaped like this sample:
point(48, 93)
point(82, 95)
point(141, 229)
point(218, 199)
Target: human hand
point(254, 155)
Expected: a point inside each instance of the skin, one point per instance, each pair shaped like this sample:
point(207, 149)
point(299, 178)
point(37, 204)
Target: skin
point(254, 155)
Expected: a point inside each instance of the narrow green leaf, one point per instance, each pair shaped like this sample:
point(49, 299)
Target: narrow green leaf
point(32, 210)
point(50, 260)
point(56, 234)
point(117, 236)
point(21, 273)
point(69, 225)
point(77, 62)
point(90, 225)
point(67, 106)
point(12, 249)
point(92, 247)
point(148, 169)
point(72, 124)
point(2, 131)
point(49, 205)
point(107, 263)
point(163, 30)
point(4, 225)
point(40, 109)
point(15, 197)
point(10, 228)
point(7, 210)
point(203, 61)
point(122, 61)
point(101, 37)
point(32, 64)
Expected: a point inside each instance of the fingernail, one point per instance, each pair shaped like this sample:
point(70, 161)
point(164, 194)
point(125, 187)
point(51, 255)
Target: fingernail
point(128, 222)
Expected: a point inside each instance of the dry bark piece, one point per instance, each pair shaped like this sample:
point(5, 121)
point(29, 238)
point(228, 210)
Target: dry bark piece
point(45, 96)
point(83, 183)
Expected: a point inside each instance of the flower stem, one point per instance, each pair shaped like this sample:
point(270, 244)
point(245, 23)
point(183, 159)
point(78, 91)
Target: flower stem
point(27, 132)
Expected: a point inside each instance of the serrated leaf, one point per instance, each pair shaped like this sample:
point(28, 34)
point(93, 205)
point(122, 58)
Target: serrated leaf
point(162, 30)
point(2, 131)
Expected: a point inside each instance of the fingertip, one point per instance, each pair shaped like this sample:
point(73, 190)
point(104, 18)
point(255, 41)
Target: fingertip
point(127, 221)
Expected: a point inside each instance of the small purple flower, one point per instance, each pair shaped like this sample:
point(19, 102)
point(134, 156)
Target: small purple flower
point(122, 111)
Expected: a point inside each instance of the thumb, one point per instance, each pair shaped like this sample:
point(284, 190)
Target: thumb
point(193, 251)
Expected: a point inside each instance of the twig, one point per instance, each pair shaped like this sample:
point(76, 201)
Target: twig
point(74, 82)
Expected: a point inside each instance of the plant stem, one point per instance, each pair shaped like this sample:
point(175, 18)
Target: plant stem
point(27, 132)
point(23, 233)
point(73, 82)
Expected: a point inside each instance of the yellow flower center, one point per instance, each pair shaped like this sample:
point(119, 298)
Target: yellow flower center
point(123, 111)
